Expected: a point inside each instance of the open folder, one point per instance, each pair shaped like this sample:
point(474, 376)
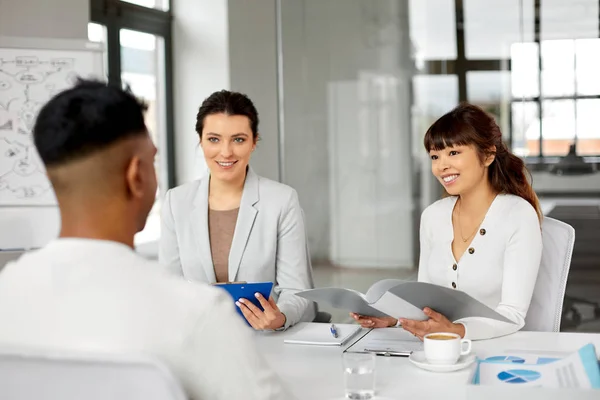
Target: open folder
point(319, 334)
point(402, 299)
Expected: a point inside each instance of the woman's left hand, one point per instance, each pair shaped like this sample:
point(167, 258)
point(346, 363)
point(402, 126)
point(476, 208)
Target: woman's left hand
point(270, 318)
point(436, 323)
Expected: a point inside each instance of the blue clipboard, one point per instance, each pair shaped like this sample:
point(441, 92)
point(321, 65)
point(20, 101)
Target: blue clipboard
point(246, 291)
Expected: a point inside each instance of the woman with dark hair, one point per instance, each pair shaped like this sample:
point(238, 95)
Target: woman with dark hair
point(234, 225)
point(484, 237)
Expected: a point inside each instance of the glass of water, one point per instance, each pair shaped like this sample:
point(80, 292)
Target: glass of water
point(359, 375)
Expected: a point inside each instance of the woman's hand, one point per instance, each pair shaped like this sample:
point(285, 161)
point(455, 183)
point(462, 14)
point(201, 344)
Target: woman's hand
point(436, 323)
point(374, 322)
point(270, 318)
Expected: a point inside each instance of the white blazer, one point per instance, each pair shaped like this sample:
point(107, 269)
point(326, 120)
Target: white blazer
point(269, 242)
point(499, 268)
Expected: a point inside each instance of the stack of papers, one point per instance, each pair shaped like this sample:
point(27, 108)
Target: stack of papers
point(576, 370)
point(320, 335)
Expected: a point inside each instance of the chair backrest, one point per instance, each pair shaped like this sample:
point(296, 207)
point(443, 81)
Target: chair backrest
point(34, 376)
point(546, 305)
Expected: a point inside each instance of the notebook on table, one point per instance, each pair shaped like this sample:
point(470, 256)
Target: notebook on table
point(319, 334)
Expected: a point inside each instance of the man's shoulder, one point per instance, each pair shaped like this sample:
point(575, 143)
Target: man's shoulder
point(150, 273)
point(123, 270)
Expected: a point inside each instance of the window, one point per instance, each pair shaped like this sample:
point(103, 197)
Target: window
point(138, 56)
point(569, 91)
point(531, 63)
point(160, 4)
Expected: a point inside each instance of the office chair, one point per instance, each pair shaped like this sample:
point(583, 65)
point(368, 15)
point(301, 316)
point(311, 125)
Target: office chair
point(586, 249)
point(323, 317)
point(31, 375)
point(545, 310)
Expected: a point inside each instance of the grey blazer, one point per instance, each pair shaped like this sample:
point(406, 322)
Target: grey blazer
point(269, 242)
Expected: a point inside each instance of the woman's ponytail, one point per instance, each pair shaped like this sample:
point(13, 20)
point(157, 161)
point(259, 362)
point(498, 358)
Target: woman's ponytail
point(508, 174)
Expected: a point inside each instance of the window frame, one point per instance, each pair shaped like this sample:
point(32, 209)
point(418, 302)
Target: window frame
point(116, 15)
point(461, 66)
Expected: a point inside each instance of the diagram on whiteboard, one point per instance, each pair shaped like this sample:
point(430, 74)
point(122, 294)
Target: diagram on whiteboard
point(28, 79)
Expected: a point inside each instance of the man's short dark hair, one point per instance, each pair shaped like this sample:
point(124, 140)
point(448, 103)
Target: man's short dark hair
point(84, 119)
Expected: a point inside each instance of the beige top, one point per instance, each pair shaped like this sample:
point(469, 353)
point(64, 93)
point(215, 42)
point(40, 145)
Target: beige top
point(221, 226)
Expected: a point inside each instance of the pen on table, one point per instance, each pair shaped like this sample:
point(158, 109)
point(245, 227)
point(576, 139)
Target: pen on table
point(389, 353)
point(333, 330)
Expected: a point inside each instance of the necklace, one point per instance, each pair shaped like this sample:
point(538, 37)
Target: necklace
point(460, 225)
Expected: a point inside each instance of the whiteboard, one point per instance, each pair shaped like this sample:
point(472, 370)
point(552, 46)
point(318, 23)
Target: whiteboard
point(31, 72)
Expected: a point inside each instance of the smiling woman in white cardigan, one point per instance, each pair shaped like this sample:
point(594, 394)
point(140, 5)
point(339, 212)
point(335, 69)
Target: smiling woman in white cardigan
point(234, 225)
point(485, 238)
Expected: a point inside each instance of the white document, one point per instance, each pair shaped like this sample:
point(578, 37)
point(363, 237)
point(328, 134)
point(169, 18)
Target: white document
point(319, 334)
point(387, 342)
point(402, 299)
point(578, 370)
point(520, 356)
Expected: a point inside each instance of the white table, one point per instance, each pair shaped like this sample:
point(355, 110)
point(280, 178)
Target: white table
point(315, 372)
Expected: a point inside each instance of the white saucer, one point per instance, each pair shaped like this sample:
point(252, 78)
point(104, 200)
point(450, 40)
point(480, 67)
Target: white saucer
point(418, 359)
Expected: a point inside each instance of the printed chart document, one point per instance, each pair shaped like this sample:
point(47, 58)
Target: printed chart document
point(577, 370)
point(313, 333)
point(387, 342)
point(402, 299)
point(522, 356)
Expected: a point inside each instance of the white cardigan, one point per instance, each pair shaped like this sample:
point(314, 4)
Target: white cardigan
point(499, 268)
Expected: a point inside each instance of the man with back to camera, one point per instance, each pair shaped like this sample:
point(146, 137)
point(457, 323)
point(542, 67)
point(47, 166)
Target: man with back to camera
point(88, 290)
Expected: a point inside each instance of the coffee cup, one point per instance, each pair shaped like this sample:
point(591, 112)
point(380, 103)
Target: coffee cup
point(444, 348)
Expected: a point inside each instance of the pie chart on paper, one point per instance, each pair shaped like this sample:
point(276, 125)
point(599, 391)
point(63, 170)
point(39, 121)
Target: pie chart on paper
point(519, 376)
point(512, 359)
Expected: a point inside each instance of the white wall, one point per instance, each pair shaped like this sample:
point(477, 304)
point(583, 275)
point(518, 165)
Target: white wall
point(317, 50)
point(35, 226)
point(253, 71)
point(224, 44)
point(306, 70)
point(44, 19)
point(346, 92)
point(201, 66)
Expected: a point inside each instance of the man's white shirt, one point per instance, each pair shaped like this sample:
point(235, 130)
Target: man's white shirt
point(100, 296)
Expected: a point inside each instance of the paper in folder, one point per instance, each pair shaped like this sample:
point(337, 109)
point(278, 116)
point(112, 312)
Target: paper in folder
point(319, 334)
point(244, 290)
point(403, 299)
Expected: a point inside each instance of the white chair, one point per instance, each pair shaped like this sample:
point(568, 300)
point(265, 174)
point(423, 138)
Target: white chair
point(37, 376)
point(545, 310)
